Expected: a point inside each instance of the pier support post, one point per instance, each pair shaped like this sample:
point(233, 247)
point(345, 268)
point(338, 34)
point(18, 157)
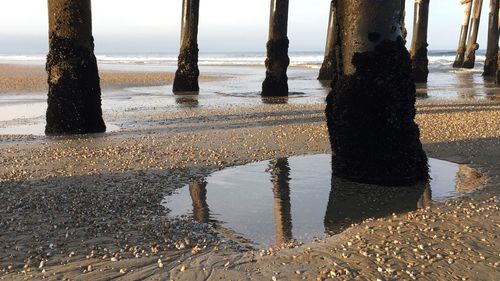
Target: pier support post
point(472, 45)
point(276, 82)
point(418, 50)
point(280, 177)
point(329, 67)
point(490, 64)
point(497, 79)
point(403, 17)
point(464, 31)
point(186, 76)
point(74, 97)
point(371, 109)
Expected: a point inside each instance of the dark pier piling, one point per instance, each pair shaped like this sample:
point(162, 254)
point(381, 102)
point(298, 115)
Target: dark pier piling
point(490, 64)
point(497, 79)
point(371, 109)
point(74, 97)
point(472, 45)
point(329, 67)
point(418, 50)
point(464, 31)
point(186, 76)
point(403, 17)
point(276, 82)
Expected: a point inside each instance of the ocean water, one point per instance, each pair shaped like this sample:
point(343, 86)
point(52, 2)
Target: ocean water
point(439, 60)
point(243, 73)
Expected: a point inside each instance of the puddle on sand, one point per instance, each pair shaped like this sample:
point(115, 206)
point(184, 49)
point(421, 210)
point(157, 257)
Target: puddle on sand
point(278, 201)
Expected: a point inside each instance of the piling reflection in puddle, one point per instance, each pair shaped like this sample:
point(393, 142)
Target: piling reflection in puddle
point(280, 178)
point(187, 101)
point(279, 201)
point(351, 202)
point(198, 191)
point(275, 100)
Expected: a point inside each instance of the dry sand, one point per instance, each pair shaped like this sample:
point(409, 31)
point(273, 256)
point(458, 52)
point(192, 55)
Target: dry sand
point(33, 78)
point(89, 208)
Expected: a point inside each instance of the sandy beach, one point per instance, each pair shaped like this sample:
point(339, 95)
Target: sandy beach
point(89, 207)
point(314, 140)
point(15, 78)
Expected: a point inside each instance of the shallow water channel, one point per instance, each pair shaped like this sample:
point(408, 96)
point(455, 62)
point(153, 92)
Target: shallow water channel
point(273, 202)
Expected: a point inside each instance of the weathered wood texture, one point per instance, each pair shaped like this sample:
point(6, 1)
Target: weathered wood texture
point(186, 76)
point(490, 64)
point(276, 82)
point(472, 45)
point(403, 19)
point(74, 97)
point(418, 50)
point(362, 28)
point(371, 109)
point(464, 31)
point(497, 79)
point(329, 67)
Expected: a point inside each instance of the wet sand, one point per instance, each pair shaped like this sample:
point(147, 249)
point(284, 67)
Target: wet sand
point(33, 78)
point(90, 207)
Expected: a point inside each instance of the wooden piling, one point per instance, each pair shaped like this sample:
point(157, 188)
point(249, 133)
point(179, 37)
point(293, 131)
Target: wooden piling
point(276, 82)
point(371, 108)
point(464, 31)
point(329, 67)
point(74, 97)
point(418, 50)
point(472, 45)
point(490, 64)
point(363, 27)
point(403, 18)
point(186, 76)
point(497, 79)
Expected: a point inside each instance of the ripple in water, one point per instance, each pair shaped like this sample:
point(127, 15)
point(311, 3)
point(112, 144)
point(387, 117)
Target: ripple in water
point(278, 201)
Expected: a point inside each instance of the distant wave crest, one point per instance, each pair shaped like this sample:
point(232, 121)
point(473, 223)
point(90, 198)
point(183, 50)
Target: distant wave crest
point(438, 60)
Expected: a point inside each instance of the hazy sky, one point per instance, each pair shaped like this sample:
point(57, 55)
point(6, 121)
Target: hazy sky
point(225, 25)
